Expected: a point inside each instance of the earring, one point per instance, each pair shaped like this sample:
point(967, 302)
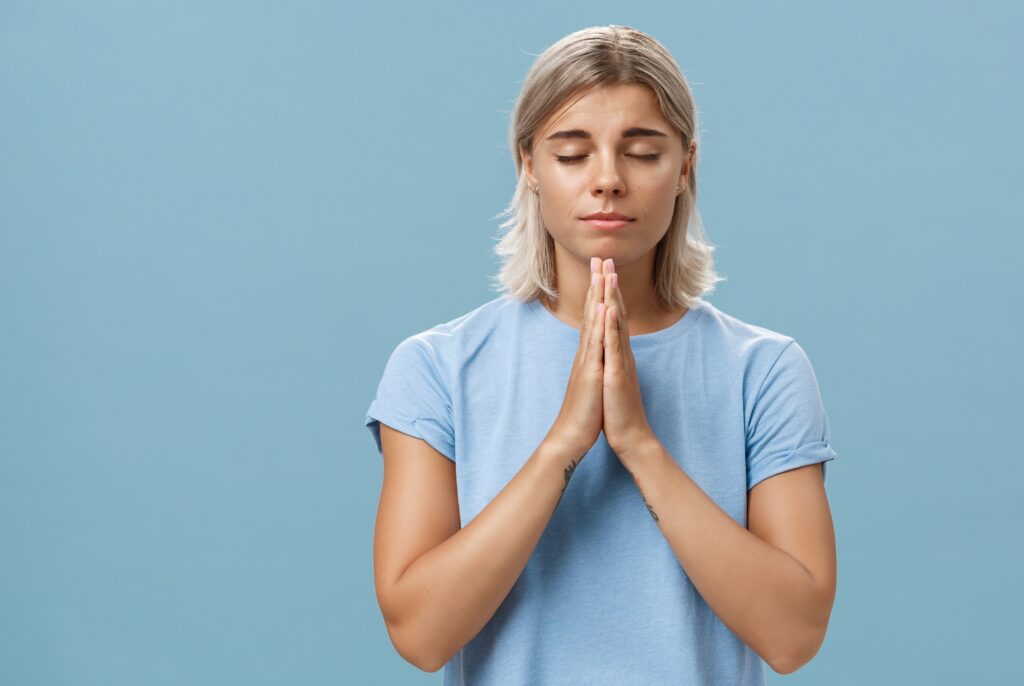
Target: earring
point(677, 188)
point(536, 189)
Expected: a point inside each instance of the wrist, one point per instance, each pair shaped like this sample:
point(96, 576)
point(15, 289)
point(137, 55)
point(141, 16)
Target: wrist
point(563, 447)
point(636, 448)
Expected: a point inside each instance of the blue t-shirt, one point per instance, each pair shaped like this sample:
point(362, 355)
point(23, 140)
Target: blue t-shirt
point(603, 599)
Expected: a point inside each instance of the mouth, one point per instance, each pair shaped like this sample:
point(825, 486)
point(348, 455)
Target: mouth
point(607, 224)
point(609, 216)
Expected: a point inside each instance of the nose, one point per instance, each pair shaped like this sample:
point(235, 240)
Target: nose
point(607, 181)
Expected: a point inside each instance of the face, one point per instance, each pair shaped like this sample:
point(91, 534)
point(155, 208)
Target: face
point(610, 151)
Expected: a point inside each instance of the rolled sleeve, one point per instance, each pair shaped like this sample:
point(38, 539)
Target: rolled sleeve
point(413, 398)
point(788, 425)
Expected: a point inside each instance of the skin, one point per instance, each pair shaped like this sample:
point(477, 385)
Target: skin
point(609, 175)
point(773, 583)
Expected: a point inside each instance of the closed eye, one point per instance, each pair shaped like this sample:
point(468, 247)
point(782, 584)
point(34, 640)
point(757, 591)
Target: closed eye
point(570, 159)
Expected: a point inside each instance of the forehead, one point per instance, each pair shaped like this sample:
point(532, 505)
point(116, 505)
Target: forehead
point(608, 110)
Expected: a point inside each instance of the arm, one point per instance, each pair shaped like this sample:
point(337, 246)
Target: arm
point(777, 604)
point(447, 595)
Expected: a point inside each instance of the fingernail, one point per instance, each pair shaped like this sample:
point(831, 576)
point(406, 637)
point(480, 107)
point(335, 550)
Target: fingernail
point(593, 279)
point(595, 262)
point(615, 280)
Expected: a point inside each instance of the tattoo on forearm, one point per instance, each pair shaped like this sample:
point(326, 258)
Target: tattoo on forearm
point(568, 475)
point(649, 508)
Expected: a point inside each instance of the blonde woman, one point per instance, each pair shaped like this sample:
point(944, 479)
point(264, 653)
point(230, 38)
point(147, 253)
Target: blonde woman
point(599, 477)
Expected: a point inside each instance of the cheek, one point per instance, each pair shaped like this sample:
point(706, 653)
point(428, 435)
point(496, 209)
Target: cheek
point(558, 203)
point(666, 181)
point(556, 213)
point(658, 207)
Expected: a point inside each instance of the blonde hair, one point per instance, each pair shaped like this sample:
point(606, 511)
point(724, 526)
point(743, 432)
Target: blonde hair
point(602, 55)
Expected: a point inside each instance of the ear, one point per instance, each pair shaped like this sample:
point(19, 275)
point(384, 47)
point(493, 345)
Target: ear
point(528, 166)
point(687, 163)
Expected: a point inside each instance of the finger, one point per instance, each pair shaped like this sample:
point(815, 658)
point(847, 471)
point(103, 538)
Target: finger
point(608, 296)
point(611, 279)
point(590, 312)
point(612, 341)
point(621, 319)
point(595, 349)
point(607, 270)
point(623, 315)
point(592, 292)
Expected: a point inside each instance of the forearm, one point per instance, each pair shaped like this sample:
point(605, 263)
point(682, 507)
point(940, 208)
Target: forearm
point(762, 593)
point(450, 593)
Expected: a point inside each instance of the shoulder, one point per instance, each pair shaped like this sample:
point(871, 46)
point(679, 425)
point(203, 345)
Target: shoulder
point(446, 343)
point(480, 318)
point(762, 360)
point(752, 346)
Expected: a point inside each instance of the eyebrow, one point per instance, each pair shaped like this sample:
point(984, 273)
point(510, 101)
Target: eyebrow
point(633, 132)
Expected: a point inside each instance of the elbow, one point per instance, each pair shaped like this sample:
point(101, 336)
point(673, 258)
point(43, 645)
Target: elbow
point(790, 665)
point(413, 651)
point(786, 666)
point(789, 661)
point(406, 637)
point(433, 666)
point(802, 648)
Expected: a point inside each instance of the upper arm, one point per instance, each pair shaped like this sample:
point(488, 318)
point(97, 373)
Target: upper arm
point(790, 510)
point(788, 444)
point(418, 510)
point(786, 422)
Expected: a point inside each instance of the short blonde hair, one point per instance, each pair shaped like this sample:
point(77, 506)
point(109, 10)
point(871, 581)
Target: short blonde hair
point(602, 55)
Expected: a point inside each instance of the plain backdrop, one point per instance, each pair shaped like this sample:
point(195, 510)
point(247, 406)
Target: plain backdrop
point(217, 220)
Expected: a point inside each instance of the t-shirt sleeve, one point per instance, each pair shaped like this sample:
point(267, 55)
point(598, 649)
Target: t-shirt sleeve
point(788, 426)
point(413, 398)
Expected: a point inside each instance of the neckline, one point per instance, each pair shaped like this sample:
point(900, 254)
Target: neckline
point(636, 341)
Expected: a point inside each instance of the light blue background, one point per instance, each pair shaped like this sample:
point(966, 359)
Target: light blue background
point(219, 219)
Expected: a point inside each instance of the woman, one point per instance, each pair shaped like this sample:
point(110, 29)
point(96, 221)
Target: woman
point(576, 473)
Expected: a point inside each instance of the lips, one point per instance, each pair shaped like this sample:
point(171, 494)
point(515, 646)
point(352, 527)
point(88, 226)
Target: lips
point(609, 216)
point(607, 224)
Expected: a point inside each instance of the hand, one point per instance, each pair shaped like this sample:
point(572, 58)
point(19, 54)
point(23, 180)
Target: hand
point(625, 423)
point(579, 421)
